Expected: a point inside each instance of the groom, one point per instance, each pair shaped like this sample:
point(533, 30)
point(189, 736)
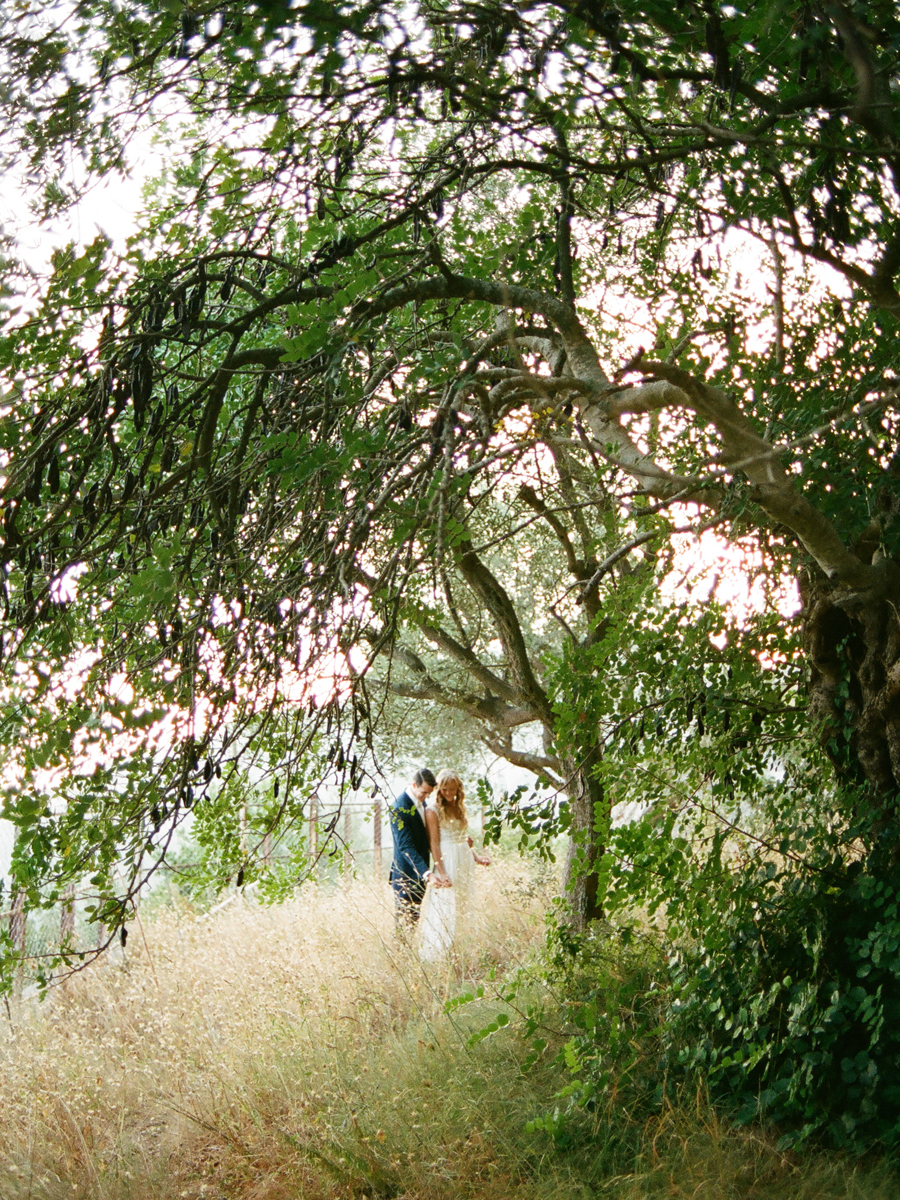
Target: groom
point(410, 868)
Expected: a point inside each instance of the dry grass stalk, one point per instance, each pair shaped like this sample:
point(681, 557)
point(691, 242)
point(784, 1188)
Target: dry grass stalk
point(212, 1057)
point(299, 1053)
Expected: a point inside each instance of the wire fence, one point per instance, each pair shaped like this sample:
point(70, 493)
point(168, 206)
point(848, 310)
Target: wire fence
point(352, 837)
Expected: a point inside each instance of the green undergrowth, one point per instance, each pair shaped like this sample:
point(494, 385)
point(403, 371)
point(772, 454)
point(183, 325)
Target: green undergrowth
point(301, 1053)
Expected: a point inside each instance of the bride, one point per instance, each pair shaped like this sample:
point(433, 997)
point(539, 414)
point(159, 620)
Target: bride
point(453, 857)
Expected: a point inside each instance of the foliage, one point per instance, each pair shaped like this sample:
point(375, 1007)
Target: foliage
point(789, 1004)
point(292, 1050)
point(780, 916)
point(441, 328)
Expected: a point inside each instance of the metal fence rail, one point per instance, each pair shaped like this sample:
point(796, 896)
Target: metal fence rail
point(360, 833)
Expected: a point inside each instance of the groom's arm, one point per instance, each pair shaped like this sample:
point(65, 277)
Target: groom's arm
point(409, 860)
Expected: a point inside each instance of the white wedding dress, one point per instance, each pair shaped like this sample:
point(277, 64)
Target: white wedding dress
point(446, 910)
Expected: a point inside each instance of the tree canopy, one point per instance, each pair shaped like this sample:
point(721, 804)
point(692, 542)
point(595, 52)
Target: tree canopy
point(442, 323)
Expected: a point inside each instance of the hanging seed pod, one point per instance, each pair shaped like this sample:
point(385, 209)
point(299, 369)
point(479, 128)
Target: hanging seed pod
point(240, 878)
point(156, 420)
point(87, 504)
point(53, 475)
point(156, 315)
point(275, 789)
point(196, 301)
point(178, 308)
point(207, 770)
point(32, 490)
point(227, 284)
point(142, 379)
point(218, 771)
point(123, 936)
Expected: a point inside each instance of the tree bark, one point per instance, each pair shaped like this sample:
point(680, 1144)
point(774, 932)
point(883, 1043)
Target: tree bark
point(588, 809)
point(853, 649)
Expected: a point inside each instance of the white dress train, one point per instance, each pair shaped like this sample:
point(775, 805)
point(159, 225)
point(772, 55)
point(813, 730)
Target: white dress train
point(446, 910)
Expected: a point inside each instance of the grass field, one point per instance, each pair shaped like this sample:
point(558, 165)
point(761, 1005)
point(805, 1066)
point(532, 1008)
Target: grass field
point(302, 1052)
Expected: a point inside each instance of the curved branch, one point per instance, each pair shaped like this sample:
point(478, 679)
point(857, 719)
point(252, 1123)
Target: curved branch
point(495, 599)
point(541, 766)
point(745, 450)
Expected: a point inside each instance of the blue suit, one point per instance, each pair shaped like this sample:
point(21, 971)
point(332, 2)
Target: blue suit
point(412, 856)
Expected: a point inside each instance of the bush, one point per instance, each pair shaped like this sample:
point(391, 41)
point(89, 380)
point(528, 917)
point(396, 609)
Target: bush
point(792, 1006)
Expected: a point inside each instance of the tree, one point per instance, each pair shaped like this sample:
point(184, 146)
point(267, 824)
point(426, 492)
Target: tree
point(370, 306)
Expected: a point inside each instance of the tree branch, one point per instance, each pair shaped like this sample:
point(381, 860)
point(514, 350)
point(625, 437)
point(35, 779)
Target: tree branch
point(493, 595)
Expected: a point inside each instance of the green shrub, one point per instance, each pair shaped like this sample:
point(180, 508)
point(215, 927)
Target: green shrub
point(791, 1007)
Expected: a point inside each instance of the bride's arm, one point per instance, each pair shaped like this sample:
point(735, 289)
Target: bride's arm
point(481, 859)
point(434, 840)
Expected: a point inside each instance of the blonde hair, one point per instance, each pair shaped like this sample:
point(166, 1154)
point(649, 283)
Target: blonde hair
point(455, 808)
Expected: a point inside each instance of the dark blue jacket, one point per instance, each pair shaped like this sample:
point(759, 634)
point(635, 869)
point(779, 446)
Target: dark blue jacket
point(411, 850)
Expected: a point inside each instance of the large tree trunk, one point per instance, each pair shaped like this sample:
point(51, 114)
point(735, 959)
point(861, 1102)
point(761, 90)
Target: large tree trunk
point(853, 648)
point(587, 804)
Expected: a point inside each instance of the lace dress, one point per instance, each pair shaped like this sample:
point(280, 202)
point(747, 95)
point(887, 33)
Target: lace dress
point(446, 911)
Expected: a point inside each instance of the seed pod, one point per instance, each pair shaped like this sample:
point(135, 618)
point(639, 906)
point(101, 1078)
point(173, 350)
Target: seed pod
point(275, 789)
point(87, 504)
point(123, 936)
point(207, 770)
point(196, 301)
point(218, 771)
point(240, 878)
point(53, 475)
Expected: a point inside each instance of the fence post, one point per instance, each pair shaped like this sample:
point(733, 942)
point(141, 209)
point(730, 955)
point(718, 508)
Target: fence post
point(17, 937)
point(376, 835)
point(348, 834)
point(313, 839)
point(67, 918)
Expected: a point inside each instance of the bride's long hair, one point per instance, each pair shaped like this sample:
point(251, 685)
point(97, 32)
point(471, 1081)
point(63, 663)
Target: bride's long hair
point(456, 809)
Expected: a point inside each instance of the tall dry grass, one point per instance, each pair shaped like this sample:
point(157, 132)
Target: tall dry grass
point(229, 1054)
point(302, 1052)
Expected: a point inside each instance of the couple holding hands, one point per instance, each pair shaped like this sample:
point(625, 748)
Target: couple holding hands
point(432, 872)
